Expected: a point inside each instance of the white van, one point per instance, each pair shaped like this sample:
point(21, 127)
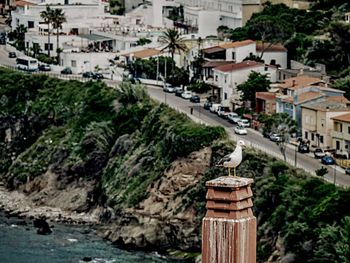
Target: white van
point(214, 107)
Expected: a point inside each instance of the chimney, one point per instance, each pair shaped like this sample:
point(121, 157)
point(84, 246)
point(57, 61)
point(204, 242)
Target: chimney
point(229, 226)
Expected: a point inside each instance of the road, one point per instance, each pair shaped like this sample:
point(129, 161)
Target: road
point(253, 138)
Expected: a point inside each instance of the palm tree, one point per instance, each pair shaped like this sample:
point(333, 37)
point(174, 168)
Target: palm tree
point(58, 18)
point(47, 16)
point(173, 41)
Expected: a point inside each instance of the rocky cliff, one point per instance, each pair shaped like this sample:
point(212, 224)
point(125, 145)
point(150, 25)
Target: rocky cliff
point(139, 168)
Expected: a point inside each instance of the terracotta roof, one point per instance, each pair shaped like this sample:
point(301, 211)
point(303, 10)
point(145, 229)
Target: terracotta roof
point(235, 44)
point(211, 50)
point(300, 82)
point(304, 97)
point(265, 95)
point(23, 3)
point(237, 66)
point(146, 53)
point(344, 117)
point(266, 47)
point(213, 64)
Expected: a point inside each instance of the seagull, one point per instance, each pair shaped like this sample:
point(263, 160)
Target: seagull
point(233, 159)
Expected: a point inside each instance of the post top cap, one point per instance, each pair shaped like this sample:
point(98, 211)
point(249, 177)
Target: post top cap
point(229, 181)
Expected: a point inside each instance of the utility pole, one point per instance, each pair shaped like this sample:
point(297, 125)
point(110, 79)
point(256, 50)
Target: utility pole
point(295, 156)
point(335, 173)
point(157, 69)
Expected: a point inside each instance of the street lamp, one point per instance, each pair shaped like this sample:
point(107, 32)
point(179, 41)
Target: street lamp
point(335, 173)
point(295, 155)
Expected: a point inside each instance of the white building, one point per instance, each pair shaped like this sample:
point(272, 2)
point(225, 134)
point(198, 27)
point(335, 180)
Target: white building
point(273, 54)
point(228, 77)
point(207, 16)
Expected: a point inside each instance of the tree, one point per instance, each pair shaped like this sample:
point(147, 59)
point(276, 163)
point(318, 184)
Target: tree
point(173, 41)
point(256, 82)
point(46, 15)
point(269, 29)
point(343, 84)
point(340, 34)
point(58, 18)
point(19, 36)
point(281, 124)
point(143, 41)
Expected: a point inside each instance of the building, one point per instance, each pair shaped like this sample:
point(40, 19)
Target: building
point(206, 16)
point(317, 123)
point(265, 102)
point(294, 92)
point(228, 77)
point(272, 54)
point(341, 134)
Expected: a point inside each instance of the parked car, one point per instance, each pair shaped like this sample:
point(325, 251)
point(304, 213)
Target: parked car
point(232, 117)
point(240, 130)
point(347, 170)
point(178, 91)
point(186, 95)
point(303, 148)
point(214, 107)
point(98, 76)
point(2, 41)
point(44, 67)
point(66, 71)
point(168, 88)
point(12, 55)
point(207, 105)
point(195, 99)
point(328, 160)
point(319, 153)
point(223, 111)
point(266, 133)
point(244, 123)
point(276, 137)
point(88, 74)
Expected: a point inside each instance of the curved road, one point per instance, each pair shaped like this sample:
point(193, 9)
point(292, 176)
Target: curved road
point(253, 138)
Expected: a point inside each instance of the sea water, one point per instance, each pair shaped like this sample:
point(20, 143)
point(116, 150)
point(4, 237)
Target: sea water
point(19, 243)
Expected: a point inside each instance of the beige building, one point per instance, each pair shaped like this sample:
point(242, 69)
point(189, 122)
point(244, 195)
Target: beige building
point(341, 134)
point(249, 7)
point(317, 123)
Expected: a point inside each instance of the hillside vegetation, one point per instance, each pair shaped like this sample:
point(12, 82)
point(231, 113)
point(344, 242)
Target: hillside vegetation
point(147, 164)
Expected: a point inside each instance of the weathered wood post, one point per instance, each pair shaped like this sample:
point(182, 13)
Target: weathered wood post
point(229, 226)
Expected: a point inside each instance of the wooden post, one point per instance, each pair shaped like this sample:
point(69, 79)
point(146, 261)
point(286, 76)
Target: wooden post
point(229, 226)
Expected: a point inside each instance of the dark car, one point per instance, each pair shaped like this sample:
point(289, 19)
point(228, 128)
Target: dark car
point(44, 67)
point(66, 71)
point(12, 55)
point(207, 105)
point(195, 99)
point(328, 160)
point(97, 76)
point(88, 74)
point(2, 41)
point(303, 148)
point(178, 92)
point(347, 170)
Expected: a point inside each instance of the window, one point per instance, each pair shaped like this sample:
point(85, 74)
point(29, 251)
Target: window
point(312, 136)
point(348, 129)
point(337, 145)
point(216, 77)
point(306, 135)
point(273, 62)
point(321, 139)
point(225, 79)
point(30, 24)
point(233, 55)
point(47, 46)
point(73, 63)
point(225, 96)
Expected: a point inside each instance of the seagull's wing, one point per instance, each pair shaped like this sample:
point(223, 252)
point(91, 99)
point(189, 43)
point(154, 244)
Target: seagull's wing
point(226, 158)
point(235, 158)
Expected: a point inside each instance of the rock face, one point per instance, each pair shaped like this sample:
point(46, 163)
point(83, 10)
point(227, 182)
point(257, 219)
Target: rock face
point(159, 221)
